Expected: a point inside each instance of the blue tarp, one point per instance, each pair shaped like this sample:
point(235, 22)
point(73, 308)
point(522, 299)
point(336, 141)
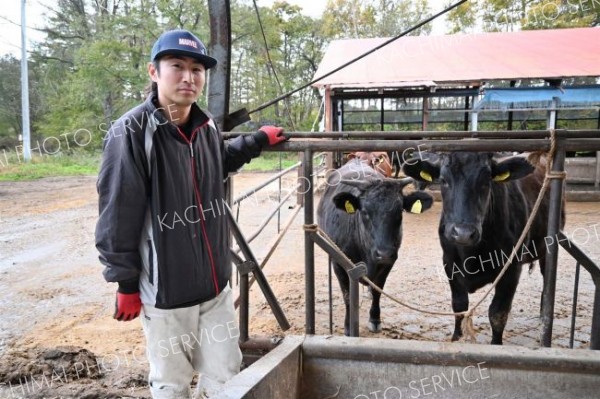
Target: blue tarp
point(539, 97)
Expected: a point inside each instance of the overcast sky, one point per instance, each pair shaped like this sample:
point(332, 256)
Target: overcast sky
point(10, 20)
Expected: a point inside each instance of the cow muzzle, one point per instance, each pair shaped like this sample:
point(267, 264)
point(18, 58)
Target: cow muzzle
point(463, 234)
point(385, 257)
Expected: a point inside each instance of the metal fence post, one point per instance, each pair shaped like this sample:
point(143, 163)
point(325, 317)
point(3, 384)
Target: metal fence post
point(548, 296)
point(309, 247)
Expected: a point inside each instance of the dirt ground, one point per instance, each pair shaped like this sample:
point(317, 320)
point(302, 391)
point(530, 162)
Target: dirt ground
point(58, 338)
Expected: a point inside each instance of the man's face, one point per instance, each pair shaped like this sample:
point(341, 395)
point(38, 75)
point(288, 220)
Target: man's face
point(180, 80)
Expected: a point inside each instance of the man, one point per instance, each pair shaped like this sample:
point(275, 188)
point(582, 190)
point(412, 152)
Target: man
point(162, 229)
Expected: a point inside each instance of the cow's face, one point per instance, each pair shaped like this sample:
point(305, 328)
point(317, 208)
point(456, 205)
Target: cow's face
point(378, 160)
point(378, 205)
point(466, 181)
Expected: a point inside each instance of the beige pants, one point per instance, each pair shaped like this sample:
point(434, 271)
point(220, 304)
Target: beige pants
point(201, 338)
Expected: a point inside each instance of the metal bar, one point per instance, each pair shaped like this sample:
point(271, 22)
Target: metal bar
point(594, 271)
point(580, 256)
point(442, 353)
point(354, 308)
point(418, 134)
point(425, 115)
point(279, 186)
point(309, 247)
point(548, 296)
point(300, 196)
point(258, 274)
point(595, 334)
point(262, 185)
point(273, 245)
point(244, 301)
point(466, 112)
point(393, 93)
point(510, 112)
point(574, 308)
point(435, 145)
point(382, 116)
point(266, 220)
point(597, 179)
point(330, 287)
point(353, 284)
point(424, 145)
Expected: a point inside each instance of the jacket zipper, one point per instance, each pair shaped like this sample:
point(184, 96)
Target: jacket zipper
point(199, 201)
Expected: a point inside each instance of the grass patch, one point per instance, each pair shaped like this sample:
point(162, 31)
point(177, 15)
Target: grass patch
point(13, 168)
point(269, 161)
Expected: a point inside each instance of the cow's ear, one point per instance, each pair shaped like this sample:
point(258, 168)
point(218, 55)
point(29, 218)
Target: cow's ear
point(351, 156)
point(417, 202)
point(511, 169)
point(347, 202)
point(421, 170)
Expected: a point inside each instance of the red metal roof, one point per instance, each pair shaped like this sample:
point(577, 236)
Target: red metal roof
point(555, 53)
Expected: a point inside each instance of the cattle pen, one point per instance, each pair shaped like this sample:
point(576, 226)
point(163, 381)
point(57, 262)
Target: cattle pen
point(308, 144)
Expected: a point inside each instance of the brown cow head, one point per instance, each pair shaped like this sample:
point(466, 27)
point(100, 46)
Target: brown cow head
point(380, 161)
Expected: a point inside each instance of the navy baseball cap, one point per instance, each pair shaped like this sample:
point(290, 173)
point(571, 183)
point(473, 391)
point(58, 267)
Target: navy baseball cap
point(181, 42)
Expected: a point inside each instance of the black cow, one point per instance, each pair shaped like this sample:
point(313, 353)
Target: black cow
point(362, 213)
point(486, 204)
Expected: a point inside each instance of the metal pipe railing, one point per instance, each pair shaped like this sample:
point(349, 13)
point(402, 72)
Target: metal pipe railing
point(258, 274)
point(255, 189)
point(517, 134)
point(270, 216)
point(594, 271)
point(588, 140)
point(574, 305)
point(491, 145)
point(309, 246)
point(550, 269)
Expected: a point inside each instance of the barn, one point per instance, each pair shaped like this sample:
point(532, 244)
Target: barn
point(471, 82)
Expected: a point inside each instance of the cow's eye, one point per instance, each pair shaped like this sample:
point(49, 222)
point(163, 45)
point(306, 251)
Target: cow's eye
point(443, 182)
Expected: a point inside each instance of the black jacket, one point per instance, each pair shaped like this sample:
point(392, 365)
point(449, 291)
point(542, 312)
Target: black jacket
point(162, 227)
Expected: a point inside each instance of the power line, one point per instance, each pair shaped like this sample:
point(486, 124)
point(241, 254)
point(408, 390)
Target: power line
point(10, 44)
point(406, 32)
point(262, 30)
point(17, 24)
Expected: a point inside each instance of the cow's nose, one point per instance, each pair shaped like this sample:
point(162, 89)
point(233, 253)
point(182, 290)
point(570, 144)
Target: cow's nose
point(386, 255)
point(464, 234)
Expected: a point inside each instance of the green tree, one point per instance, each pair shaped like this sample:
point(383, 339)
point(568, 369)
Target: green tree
point(514, 15)
point(294, 47)
point(96, 57)
point(462, 18)
point(373, 18)
point(11, 125)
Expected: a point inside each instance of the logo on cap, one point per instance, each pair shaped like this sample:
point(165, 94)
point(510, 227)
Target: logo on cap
point(188, 42)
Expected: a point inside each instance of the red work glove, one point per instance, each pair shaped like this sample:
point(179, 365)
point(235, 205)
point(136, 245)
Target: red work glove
point(127, 306)
point(270, 135)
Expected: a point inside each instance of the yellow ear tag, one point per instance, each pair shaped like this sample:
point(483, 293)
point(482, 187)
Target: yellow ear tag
point(502, 176)
point(425, 176)
point(417, 207)
point(349, 207)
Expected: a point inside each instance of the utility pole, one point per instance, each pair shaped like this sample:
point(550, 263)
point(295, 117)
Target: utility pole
point(24, 88)
point(220, 48)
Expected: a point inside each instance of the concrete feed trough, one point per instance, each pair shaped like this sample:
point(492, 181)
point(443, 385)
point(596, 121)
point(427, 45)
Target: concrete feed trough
point(319, 367)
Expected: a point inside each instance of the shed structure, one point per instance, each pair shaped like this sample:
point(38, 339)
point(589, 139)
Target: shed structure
point(490, 81)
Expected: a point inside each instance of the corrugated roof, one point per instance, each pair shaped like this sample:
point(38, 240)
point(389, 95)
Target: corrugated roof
point(555, 53)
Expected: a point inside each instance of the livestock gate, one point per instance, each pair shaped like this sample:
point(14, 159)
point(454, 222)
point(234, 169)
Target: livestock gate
point(301, 367)
point(431, 142)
